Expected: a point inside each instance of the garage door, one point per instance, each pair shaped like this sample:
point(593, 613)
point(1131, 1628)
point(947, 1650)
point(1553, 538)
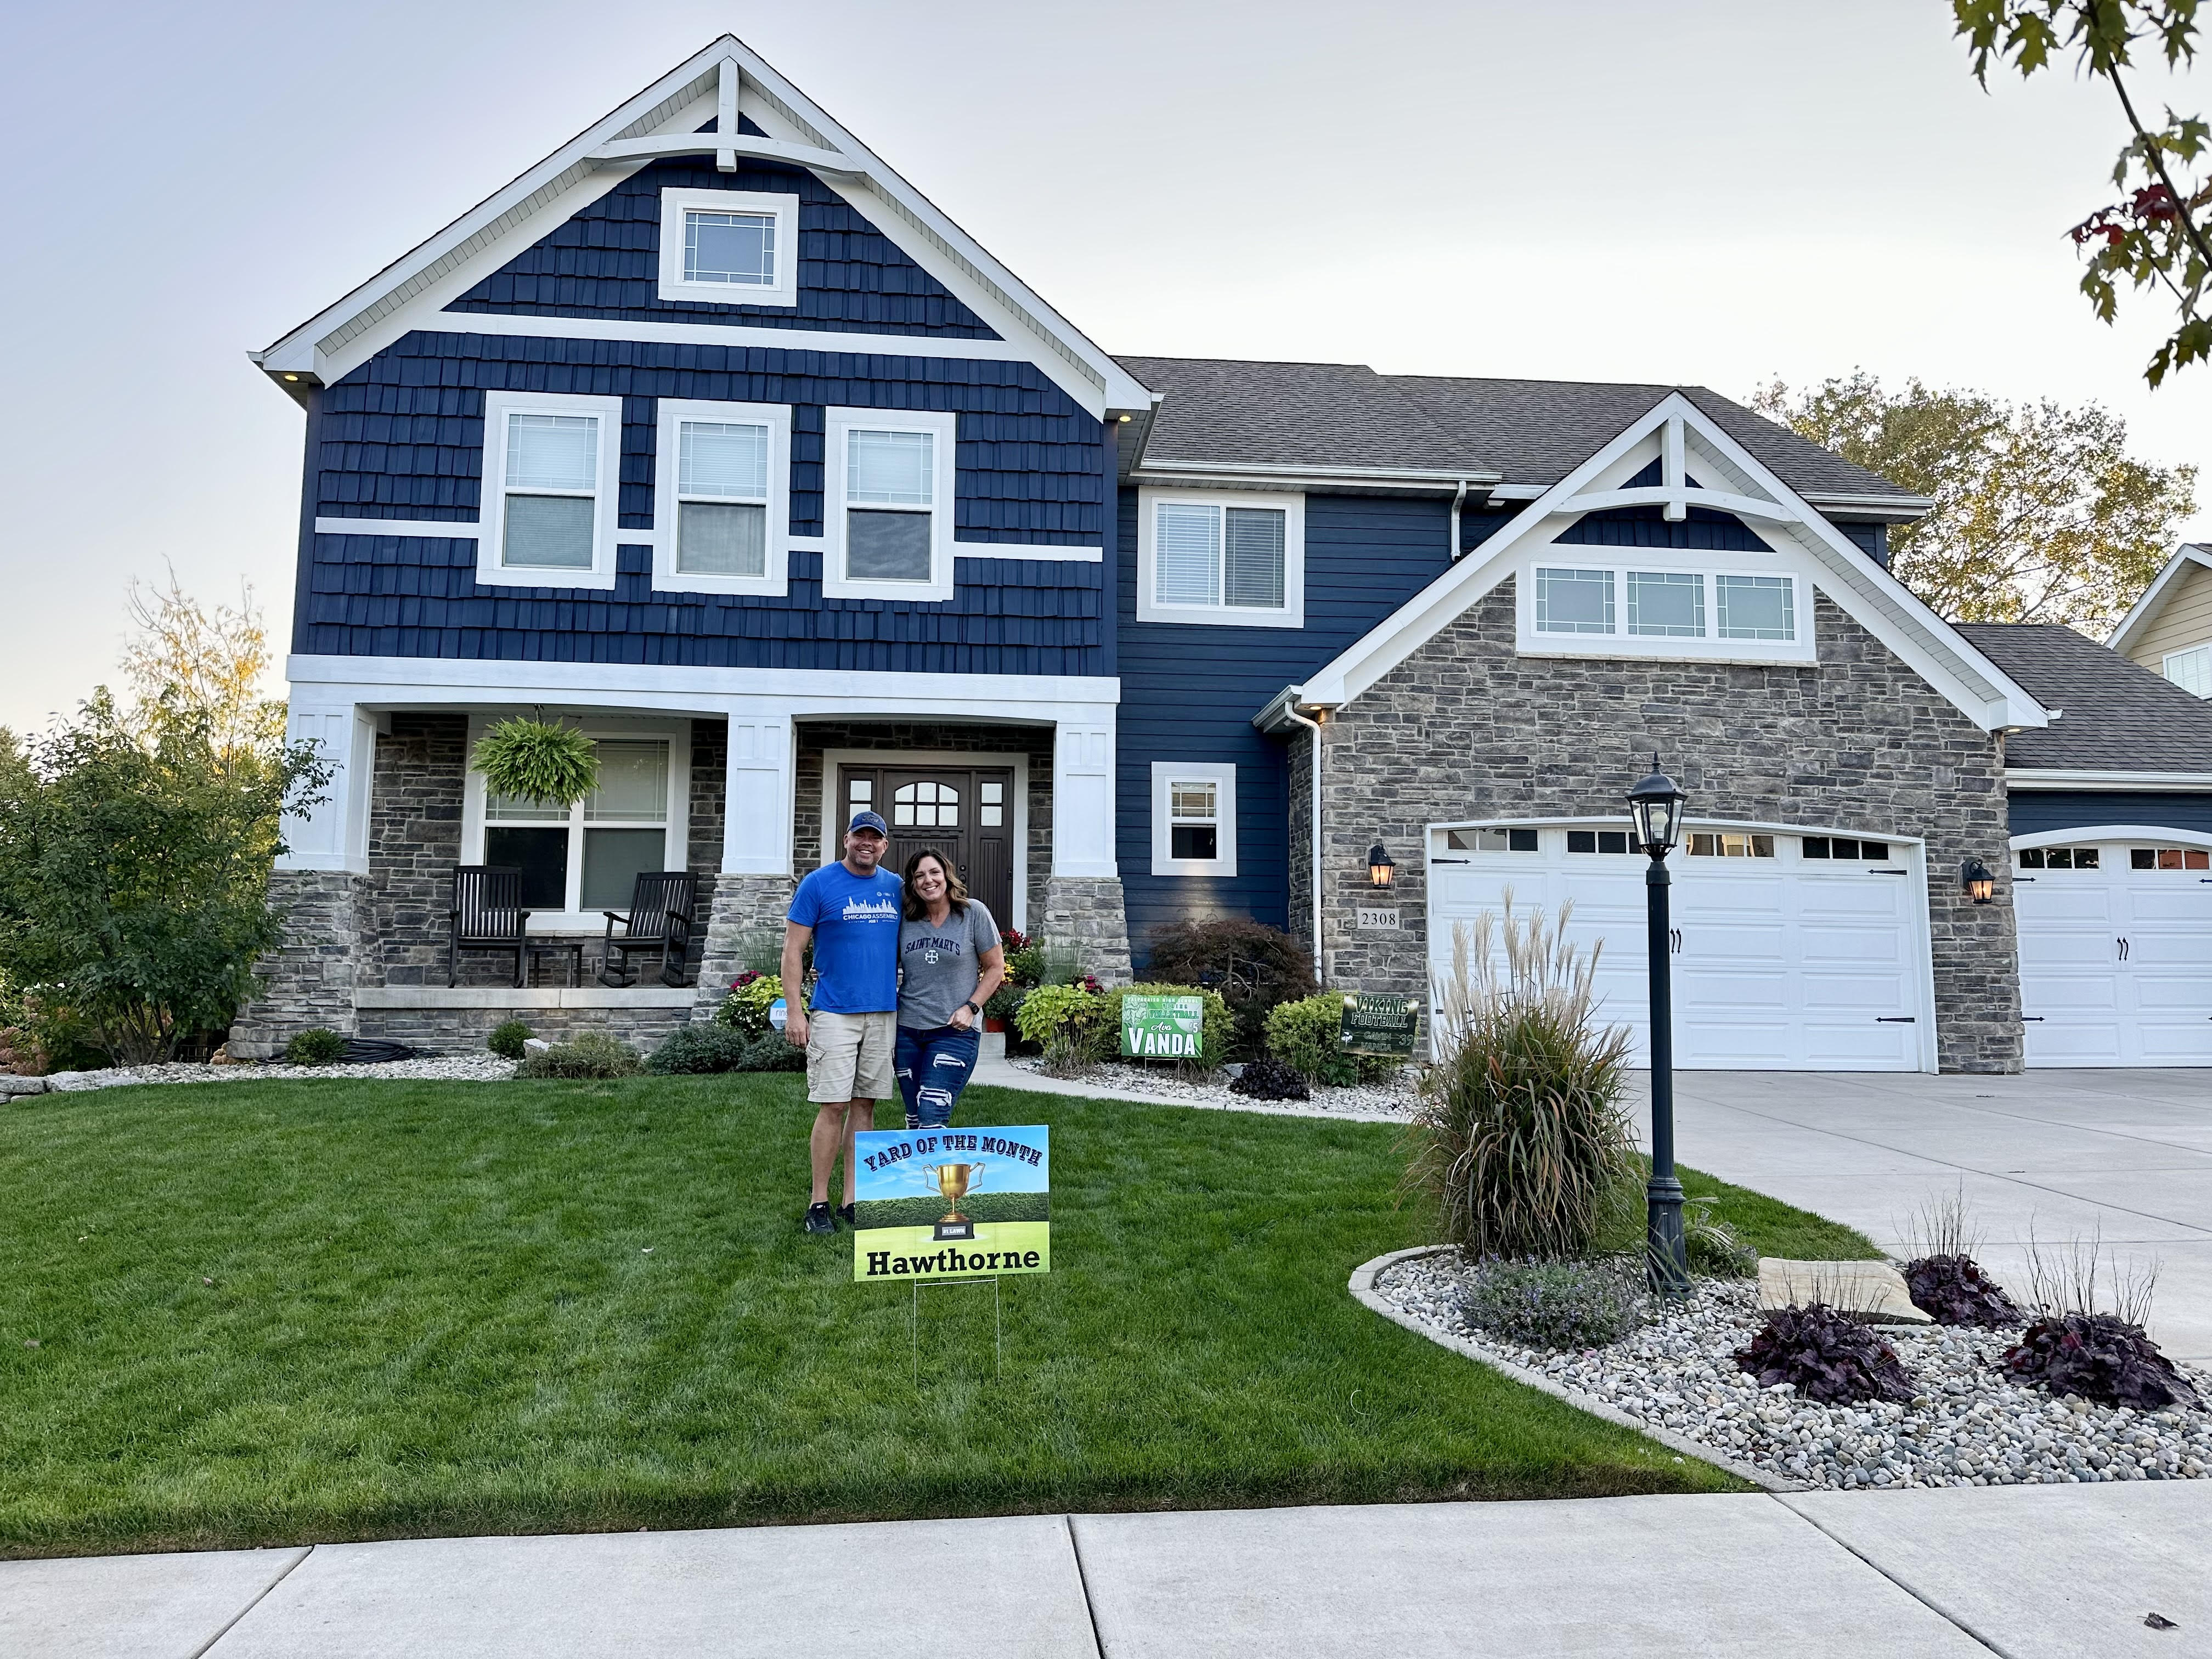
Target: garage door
point(2115, 953)
point(1791, 953)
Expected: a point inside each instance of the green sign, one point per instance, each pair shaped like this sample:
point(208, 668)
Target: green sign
point(1162, 1027)
point(1377, 1025)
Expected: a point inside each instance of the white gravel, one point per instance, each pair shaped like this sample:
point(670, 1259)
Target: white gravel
point(1394, 1096)
point(1969, 1425)
point(451, 1068)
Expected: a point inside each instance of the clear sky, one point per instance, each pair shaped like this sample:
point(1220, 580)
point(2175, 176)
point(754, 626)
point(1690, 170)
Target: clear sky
point(1713, 191)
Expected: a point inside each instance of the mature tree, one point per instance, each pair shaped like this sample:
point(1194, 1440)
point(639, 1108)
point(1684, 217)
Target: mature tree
point(2156, 235)
point(189, 662)
point(2040, 514)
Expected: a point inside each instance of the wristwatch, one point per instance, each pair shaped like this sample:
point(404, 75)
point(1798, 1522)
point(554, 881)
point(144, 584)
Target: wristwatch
point(970, 1007)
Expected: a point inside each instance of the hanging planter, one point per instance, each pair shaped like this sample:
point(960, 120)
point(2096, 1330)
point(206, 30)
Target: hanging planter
point(538, 760)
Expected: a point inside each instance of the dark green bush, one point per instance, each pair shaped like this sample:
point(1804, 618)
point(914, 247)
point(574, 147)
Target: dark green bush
point(1254, 967)
point(701, 1046)
point(591, 1054)
point(1553, 1304)
point(1305, 1035)
point(772, 1054)
point(507, 1039)
point(316, 1046)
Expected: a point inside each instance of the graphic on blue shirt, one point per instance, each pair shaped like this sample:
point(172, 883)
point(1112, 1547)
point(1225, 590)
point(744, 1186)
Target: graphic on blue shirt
point(855, 921)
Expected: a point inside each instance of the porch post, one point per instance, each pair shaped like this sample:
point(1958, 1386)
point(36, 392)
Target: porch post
point(333, 835)
point(1083, 904)
point(752, 892)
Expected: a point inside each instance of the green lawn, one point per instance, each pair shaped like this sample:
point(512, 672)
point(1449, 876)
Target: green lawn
point(278, 1312)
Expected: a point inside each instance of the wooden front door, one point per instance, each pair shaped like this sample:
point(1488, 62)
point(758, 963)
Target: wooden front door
point(964, 813)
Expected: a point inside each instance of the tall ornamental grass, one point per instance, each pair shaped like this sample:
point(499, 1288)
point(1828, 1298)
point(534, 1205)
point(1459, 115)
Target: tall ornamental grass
point(1521, 1134)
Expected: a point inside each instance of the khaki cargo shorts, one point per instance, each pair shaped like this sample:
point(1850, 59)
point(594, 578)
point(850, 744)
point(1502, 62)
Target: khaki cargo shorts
point(849, 1057)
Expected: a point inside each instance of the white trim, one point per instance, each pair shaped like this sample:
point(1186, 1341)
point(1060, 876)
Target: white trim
point(944, 430)
point(676, 855)
point(776, 578)
point(1293, 613)
point(781, 210)
point(457, 529)
point(1618, 562)
point(1072, 553)
point(1874, 598)
point(2161, 834)
point(2145, 609)
point(2053, 777)
point(467, 530)
point(606, 495)
point(388, 997)
point(1223, 776)
point(832, 838)
point(529, 326)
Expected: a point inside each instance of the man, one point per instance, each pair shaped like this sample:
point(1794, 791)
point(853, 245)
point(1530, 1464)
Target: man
point(850, 910)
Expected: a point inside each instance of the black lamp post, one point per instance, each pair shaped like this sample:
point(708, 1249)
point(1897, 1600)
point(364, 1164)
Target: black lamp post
point(1655, 805)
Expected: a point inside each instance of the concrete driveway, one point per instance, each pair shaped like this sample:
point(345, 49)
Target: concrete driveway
point(2122, 1156)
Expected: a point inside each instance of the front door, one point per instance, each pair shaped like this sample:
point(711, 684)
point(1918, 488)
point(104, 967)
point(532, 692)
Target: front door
point(964, 813)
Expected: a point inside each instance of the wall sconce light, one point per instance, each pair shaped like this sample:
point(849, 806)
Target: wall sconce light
point(1382, 869)
point(1975, 878)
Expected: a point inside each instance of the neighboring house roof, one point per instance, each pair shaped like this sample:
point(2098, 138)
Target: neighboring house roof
point(2187, 557)
point(1523, 437)
point(2118, 716)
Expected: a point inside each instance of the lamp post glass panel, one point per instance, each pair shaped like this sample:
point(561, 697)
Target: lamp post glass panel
point(1655, 806)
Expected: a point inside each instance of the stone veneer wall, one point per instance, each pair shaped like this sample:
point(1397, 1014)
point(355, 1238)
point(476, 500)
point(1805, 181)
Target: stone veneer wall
point(308, 980)
point(1466, 728)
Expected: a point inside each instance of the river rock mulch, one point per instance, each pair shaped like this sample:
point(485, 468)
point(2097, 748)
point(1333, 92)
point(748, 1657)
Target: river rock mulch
point(446, 1068)
point(1394, 1096)
point(1968, 1426)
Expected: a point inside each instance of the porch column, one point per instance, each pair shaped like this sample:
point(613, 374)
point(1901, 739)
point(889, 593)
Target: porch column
point(745, 922)
point(333, 834)
point(1083, 904)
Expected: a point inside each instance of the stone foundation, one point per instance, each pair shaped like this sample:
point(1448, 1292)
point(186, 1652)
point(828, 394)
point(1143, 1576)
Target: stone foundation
point(464, 1030)
point(1087, 912)
point(744, 929)
point(308, 980)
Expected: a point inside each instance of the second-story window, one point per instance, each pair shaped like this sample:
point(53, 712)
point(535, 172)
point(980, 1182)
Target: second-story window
point(887, 512)
point(1237, 559)
point(551, 466)
point(721, 497)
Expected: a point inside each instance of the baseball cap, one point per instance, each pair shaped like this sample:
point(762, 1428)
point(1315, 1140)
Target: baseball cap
point(869, 821)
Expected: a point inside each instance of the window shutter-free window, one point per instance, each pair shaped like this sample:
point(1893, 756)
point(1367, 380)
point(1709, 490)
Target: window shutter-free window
point(2191, 669)
point(1755, 607)
point(889, 499)
point(735, 248)
point(1186, 557)
point(1252, 563)
point(722, 498)
point(1574, 601)
point(551, 464)
point(1667, 604)
point(1193, 818)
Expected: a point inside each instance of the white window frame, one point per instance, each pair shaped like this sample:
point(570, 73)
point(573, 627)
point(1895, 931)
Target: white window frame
point(2167, 662)
point(775, 580)
point(1222, 777)
point(608, 412)
point(675, 204)
point(1293, 508)
point(1709, 646)
point(945, 429)
point(676, 733)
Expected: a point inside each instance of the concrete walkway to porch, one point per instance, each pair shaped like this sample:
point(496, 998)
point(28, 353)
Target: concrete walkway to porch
point(2124, 1155)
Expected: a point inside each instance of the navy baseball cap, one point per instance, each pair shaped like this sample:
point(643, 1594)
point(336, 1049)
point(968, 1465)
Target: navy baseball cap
point(869, 821)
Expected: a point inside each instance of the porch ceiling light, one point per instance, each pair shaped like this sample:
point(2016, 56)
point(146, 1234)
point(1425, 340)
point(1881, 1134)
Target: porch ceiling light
point(1975, 878)
point(1655, 805)
point(1381, 868)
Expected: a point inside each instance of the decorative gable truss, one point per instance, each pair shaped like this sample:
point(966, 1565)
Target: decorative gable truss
point(1677, 459)
point(696, 110)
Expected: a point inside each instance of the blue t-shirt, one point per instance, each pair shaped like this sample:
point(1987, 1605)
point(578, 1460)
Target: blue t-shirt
point(855, 921)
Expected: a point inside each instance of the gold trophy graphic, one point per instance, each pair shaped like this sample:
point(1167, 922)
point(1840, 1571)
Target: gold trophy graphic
point(955, 1182)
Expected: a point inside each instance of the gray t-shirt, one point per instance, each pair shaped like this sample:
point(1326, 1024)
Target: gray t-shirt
point(940, 967)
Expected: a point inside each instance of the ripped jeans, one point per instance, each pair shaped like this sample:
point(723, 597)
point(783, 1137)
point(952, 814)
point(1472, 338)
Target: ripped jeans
point(933, 1067)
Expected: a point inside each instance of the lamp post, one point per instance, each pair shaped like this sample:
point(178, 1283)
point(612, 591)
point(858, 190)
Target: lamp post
point(1655, 806)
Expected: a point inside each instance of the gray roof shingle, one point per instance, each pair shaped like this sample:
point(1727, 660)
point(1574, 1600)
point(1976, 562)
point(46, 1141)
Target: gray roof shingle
point(2120, 717)
point(1222, 412)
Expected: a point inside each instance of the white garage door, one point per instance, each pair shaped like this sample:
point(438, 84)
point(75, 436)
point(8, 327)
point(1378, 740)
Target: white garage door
point(1791, 953)
point(2115, 953)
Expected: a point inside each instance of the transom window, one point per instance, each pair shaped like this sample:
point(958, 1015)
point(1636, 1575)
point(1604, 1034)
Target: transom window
point(587, 857)
point(1728, 844)
point(1492, 840)
point(2191, 669)
point(735, 248)
point(1232, 558)
point(729, 246)
point(1574, 601)
point(1598, 840)
point(1668, 603)
point(890, 505)
point(1664, 612)
point(926, 805)
point(2167, 858)
point(1843, 847)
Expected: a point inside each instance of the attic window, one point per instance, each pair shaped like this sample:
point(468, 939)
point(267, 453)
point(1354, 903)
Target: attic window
point(729, 246)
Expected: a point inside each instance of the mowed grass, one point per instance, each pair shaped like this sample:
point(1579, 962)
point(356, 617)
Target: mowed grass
point(280, 1312)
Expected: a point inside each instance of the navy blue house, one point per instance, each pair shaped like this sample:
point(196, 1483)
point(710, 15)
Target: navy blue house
point(714, 436)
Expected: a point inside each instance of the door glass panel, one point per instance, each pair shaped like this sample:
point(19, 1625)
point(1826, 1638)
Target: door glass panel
point(541, 854)
point(614, 859)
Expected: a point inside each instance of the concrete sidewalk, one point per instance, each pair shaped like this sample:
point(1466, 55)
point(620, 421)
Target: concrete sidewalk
point(2024, 1571)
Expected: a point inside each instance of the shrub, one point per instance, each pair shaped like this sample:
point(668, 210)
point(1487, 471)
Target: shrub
point(316, 1046)
point(507, 1038)
point(1003, 1002)
point(772, 1054)
point(2099, 1357)
point(1067, 1021)
point(1305, 1035)
point(1553, 1304)
point(1270, 1079)
point(745, 1008)
point(1217, 1027)
point(701, 1046)
point(592, 1054)
point(1521, 1134)
point(1825, 1357)
point(1024, 959)
point(1255, 967)
point(1953, 1290)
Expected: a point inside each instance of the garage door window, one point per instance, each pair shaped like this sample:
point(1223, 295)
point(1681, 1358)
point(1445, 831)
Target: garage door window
point(2062, 858)
point(1843, 847)
point(2168, 858)
point(1491, 841)
point(1598, 840)
point(1728, 845)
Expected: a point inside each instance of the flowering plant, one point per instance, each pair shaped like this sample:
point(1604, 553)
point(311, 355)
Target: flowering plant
point(745, 1008)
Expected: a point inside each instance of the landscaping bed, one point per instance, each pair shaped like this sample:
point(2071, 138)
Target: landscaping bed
point(448, 1068)
point(1967, 1424)
point(1394, 1096)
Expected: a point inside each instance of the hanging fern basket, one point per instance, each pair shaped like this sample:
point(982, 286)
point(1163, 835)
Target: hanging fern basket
point(538, 760)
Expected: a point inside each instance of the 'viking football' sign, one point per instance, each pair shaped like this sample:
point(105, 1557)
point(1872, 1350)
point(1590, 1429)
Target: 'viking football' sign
point(1376, 1024)
point(951, 1203)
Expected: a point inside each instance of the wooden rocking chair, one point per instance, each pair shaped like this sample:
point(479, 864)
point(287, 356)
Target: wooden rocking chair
point(662, 908)
point(487, 915)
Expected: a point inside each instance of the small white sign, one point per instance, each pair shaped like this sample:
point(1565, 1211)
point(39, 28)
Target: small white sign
point(1378, 918)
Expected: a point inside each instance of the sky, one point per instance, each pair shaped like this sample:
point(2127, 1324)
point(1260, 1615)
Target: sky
point(1712, 191)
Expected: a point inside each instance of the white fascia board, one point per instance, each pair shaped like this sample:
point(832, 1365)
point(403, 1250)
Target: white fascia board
point(2053, 777)
point(1875, 598)
point(2145, 609)
point(1893, 509)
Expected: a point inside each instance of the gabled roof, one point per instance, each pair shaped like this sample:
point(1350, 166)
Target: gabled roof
point(1521, 435)
point(2118, 716)
point(2188, 556)
point(710, 91)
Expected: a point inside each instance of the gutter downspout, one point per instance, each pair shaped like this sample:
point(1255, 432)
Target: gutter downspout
point(1459, 497)
point(1314, 727)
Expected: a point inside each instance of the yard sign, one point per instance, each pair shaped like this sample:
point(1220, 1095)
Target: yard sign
point(951, 1203)
point(1162, 1027)
point(1376, 1024)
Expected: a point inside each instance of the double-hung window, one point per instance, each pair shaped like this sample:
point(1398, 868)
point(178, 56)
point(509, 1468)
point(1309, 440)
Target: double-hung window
point(888, 505)
point(1228, 558)
point(732, 248)
point(551, 476)
point(2191, 669)
point(580, 859)
point(1617, 611)
point(721, 497)
point(1193, 818)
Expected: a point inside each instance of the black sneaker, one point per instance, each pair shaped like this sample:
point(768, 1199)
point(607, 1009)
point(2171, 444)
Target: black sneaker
point(817, 1219)
point(845, 1215)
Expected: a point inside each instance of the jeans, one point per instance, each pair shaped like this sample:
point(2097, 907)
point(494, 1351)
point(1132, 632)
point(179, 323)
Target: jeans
point(933, 1067)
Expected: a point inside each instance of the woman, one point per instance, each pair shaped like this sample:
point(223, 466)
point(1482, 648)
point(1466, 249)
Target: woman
point(950, 961)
